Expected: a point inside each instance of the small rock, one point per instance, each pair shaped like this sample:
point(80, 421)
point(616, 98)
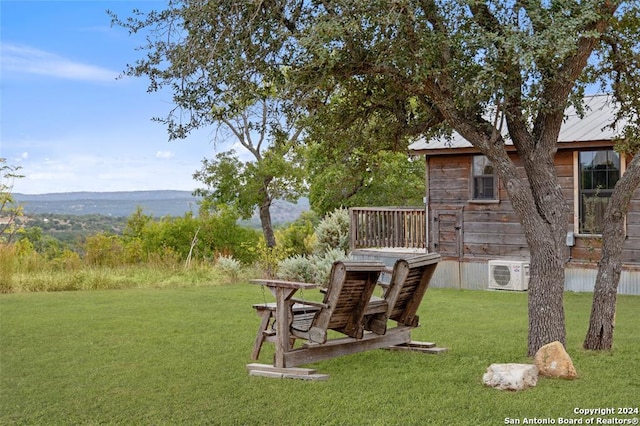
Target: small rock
point(511, 376)
point(553, 360)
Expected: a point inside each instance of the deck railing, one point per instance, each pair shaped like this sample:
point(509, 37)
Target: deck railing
point(387, 227)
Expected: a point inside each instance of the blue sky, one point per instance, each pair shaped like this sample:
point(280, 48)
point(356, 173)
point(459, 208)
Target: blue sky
point(66, 119)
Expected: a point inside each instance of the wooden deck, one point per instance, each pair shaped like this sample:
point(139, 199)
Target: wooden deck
point(389, 227)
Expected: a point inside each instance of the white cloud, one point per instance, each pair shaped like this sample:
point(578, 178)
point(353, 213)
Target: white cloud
point(165, 154)
point(22, 157)
point(26, 59)
point(101, 173)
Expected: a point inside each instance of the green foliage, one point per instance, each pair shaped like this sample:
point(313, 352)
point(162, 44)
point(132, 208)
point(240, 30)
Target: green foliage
point(297, 268)
point(136, 224)
point(10, 211)
point(174, 234)
point(333, 232)
point(134, 252)
point(310, 269)
point(324, 262)
point(221, 235)
point(225, 176)
point(328, 243)
point(213, 234)
point(297, 238)
point(230, 266)
point(352, 177)
point(46, 245)
point(68, 260)
point(276, 173)
point(268, 258)
point(104, 250)
point(7, 267)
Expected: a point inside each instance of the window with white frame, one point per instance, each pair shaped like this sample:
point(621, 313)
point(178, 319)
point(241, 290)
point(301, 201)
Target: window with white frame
point(484, 182)
point(598, 172)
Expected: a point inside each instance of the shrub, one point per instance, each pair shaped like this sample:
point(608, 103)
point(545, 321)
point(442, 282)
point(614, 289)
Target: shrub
point(323, 265)
point(297, 268)
point(220, 235)
point(269, 258)
point(297, 236)
point(312, 269)
point(28, 259)
point(67, 261)
point(7, 267)
point(170, 233)
point(230, 266)
point(103, 250)
point(333, 232)
point(134, 251)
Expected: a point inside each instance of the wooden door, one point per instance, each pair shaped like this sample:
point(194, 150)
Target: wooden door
point(447, 232)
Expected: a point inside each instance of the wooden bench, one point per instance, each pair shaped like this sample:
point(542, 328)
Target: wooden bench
point(347, 307)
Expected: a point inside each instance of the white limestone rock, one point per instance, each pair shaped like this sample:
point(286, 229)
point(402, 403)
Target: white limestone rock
point(511, 376)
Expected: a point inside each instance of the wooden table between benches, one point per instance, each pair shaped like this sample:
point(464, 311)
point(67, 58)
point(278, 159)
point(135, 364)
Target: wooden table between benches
point(282, 291)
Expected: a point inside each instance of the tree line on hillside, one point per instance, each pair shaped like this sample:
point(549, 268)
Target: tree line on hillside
point(212, 239)
point(61, 242)
point(140, 237)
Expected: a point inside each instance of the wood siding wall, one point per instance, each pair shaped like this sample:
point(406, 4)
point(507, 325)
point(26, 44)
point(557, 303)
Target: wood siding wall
point(468, 230)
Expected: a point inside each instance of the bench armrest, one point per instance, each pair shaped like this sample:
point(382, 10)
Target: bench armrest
point(310, 303)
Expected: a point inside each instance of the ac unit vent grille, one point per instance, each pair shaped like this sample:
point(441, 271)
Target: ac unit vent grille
point(502, 275)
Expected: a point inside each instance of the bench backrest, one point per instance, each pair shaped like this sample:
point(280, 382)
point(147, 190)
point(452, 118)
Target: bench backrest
point(351, 285)
point(409, 282)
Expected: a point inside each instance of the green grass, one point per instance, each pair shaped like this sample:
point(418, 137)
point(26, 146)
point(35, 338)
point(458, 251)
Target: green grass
point(178, 355)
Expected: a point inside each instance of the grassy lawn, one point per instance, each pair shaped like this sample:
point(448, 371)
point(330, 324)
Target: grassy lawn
point(178, 355)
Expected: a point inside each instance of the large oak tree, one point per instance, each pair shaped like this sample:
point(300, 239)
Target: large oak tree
point(448, 65)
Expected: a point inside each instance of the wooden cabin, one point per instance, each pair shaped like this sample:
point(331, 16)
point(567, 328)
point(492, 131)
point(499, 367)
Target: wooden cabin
point(470, 220)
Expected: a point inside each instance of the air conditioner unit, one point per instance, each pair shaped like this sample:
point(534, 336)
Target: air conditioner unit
point(508, 275)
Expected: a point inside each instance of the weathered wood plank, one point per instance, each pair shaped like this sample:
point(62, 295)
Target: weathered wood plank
point(346, 346)
point(489, 251)
point(495, 238)
point(426, 347)
point(265, 370)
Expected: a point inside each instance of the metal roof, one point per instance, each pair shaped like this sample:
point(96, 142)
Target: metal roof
point(594, 125)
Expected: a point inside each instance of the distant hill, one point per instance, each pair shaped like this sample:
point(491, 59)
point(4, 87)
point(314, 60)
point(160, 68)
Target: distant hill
point(123, 204)
point(117, 204)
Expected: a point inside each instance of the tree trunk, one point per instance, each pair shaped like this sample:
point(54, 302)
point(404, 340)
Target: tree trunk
point(546, 237)
point(267, 227)
point(265, 212)
point(539, 203)
point(546, 283)
point(603, 309)
point(542, 210)
point(546, 292)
